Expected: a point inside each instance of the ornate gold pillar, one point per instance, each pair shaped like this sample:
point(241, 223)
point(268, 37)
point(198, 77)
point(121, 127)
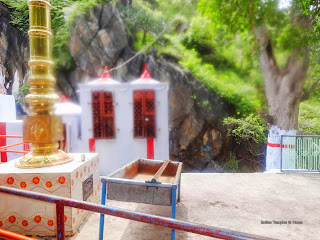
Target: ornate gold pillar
point(41, 128)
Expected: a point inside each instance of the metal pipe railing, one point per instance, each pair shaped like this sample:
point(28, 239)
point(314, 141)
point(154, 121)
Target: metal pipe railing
point(4, 234)
point(140, 217)
point(11, 145)
point(11, 136)
point(14, 151)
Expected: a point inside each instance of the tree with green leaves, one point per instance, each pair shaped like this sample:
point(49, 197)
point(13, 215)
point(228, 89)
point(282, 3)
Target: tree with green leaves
point(141, 19)
point(284, 38)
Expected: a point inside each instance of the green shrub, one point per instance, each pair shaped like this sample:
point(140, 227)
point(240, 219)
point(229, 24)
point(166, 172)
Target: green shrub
point(232, 165)
point(19, 13)
point(309, 117)
point(251, 127)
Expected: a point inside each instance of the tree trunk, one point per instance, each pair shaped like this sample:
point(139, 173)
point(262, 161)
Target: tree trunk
point(144, 38)
point(283, 86)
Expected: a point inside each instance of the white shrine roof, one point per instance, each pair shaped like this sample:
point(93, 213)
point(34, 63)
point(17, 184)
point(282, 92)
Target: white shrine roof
point(65, 107)
point(145, 77)
point(104, 79)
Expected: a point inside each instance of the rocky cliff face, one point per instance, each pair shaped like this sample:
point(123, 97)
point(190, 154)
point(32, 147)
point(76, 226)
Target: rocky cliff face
point(14, 52)
point(197, 137)
point(99, 38)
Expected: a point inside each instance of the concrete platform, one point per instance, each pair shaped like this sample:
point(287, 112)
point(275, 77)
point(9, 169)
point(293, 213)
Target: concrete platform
point(234, 201)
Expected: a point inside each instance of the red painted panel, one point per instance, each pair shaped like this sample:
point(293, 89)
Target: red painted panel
point(103, 115)
point(3, 141)
point(138, 114)
point(92, 145)
point(150, 148)
point(144, 114)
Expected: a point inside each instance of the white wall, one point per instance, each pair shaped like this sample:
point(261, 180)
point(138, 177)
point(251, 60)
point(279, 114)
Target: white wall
point(7, 108)
point(114, 153)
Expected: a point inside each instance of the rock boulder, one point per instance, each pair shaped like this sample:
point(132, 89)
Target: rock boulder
point(99, 38)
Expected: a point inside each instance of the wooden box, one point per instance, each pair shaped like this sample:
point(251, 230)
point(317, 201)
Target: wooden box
point(133, 182)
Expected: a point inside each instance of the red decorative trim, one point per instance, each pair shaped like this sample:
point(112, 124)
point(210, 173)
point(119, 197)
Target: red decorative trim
point(26, 147)
point(23, 184)
point(65, 218)
point(273, 144)
point(145, 74)
point(3, 141)
point(62, 180)
point(288, 146)
point(64, 99)
point(49, 184)
point(50, 223)
point(105, 75)
point(150, 148)
point(1, 224)
point(10, 180)
point(12, 219)
point(36, 180)
point(25, 223)
point(283, 145)
point(37, 218)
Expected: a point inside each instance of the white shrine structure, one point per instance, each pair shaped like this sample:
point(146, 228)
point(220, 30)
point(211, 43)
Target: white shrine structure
point(119, 121)
point(124, 121)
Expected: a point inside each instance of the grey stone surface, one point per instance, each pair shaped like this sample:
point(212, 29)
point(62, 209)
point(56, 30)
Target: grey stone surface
point(14, 49)
point(231, 201)
point(98, 38)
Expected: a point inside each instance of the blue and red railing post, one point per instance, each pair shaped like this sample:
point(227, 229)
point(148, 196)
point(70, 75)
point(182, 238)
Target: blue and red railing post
point(60, 222)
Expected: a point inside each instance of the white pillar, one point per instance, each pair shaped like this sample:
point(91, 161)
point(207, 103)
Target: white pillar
point(274, 148)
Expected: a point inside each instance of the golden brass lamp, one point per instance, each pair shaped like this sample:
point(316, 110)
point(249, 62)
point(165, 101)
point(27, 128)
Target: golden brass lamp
point(41, 127)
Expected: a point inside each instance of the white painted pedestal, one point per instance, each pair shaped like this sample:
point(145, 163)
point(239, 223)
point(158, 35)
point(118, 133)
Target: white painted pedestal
point(31, 217)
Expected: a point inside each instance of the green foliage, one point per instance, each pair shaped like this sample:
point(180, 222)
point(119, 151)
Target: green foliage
point(23, 91)
point(20, 13)
point(311, 8)
point(205, 106)
point(251, 127)
point(143, 24)
point(63, 13)
point(228, 84)
point(309, 116)
point(232, 165)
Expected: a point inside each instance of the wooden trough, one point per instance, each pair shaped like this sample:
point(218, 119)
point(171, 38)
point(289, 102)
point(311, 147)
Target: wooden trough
point(144, 181)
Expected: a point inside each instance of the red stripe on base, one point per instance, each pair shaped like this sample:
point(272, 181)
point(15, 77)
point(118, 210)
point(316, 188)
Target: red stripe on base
point(288, 146)
point(283, 145)
point(92, 145)
point(273, 144)
point(150, 148)
point(3, 141)
point(26, 147)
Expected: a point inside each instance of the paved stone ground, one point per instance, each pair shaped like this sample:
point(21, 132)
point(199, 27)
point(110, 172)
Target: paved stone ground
point(232, 201)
